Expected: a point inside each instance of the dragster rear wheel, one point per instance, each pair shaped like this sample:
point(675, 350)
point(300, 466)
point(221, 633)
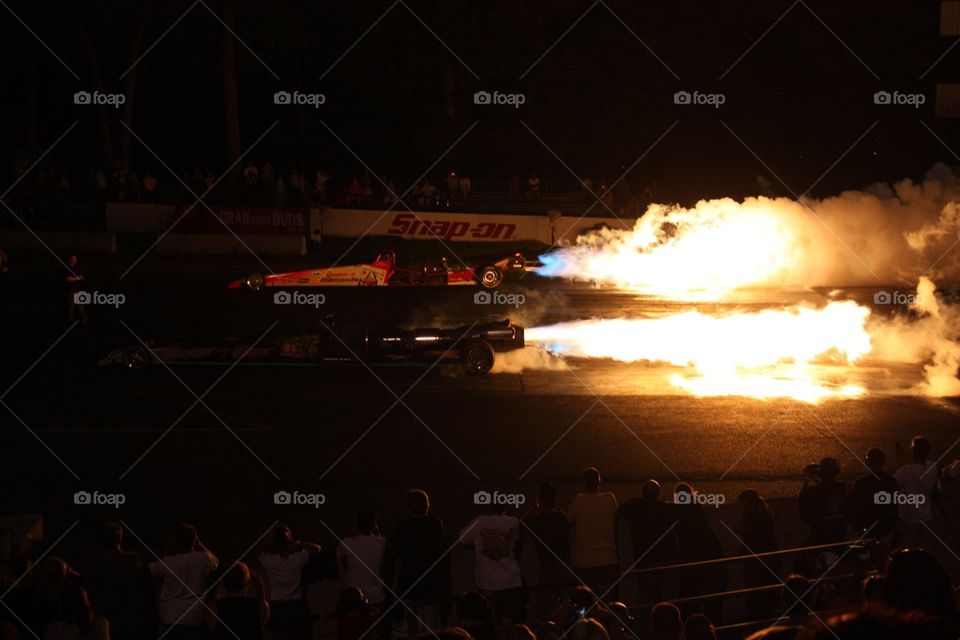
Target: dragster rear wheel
point(491, 277)
point(477, 357)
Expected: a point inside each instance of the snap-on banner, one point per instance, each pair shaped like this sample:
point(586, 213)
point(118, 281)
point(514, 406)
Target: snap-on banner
point(455, 227)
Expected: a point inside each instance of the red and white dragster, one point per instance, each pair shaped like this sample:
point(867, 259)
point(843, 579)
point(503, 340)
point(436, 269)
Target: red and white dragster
point(384, 272)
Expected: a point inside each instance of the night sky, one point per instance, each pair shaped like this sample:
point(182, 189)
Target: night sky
point(598, 81)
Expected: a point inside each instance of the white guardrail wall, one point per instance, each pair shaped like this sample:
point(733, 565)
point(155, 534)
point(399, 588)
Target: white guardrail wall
point(284, 229)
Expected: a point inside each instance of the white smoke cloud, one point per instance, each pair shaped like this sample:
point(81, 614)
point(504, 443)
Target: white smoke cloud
point(907, 232)
point(930, 337)
point(880, 235)
point(529, 358)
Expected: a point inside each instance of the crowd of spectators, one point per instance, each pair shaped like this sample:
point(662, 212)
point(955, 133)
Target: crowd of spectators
point(600, 570)
point(267, 185)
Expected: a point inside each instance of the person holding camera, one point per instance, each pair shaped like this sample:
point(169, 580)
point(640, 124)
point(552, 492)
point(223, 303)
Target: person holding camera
point(363, 557)
point(871, 500)
point(183, 574)
point(822, 502)
point(284, 560)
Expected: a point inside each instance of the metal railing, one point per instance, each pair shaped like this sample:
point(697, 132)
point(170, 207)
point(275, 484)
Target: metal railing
point(700, 564)
point(868, 568)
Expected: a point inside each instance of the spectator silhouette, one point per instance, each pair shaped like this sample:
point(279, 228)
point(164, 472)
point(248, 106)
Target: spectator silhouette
point(36, 601)
point(419, 542)
point(117, 585)
point(821, 503)
point(548, 526)
point(453, 184)
point(150, 185)
point(651, 522)
point(865, 506)
point(588, 629)
point(519, 632)
point(354, 193)
point(915, 580)
point(362, 559)
point(917, 481)
point(428, 194)
point(758, 532)
point(873, 590)
point(547, 533)
point(593, 514)
point(183, 575)
point(74, 281)
point(79, 622)
point(513, 187)
point(241, 606)
point(355, 616)
point(699, 627)
point(586, 189)
point(665, 622)
point(549, 630)
point(618, 622)
point(878, 624)
point(283, 561)
point(949, 493)
point(251, 176)
point(533, 187)
point(495, 539)
point(474, 615)
point(698, 542)
point(267, 178)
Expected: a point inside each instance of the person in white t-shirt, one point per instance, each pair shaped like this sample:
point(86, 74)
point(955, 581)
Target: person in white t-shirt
point(495, 538)
point(184, 576)
point(593, 516)
point(362, 559)
point(918, 481)
point(284, 561)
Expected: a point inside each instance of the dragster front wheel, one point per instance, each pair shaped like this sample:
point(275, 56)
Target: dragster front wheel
point(136, 358)
point(254, 281)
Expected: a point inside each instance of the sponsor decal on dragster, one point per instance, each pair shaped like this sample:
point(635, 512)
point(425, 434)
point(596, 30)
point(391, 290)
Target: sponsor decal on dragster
point(354, 275)
point(407, 224)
